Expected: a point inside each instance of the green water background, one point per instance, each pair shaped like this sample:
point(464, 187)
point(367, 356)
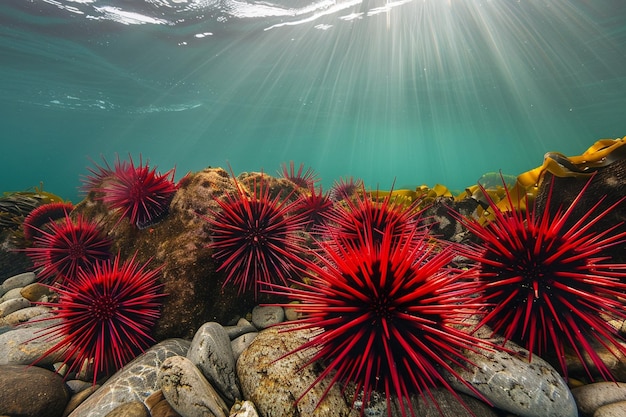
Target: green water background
point(427, 92)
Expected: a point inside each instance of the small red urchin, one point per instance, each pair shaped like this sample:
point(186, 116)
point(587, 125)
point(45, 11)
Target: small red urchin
point(390, 314)
point(370, 210)
point(99, 173)
point(344, 189)
point(547, 281)
point(255, 237)
point(139, 193)
point(65, 246)
point(316, 205)
point(43, 214)
point(303, 179)
point(106, 315)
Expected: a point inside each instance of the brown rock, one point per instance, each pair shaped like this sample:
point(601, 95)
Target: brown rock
point(30, 391)
point(34, 291)
point(78, 398)
point(163, 409)
point(131, 409)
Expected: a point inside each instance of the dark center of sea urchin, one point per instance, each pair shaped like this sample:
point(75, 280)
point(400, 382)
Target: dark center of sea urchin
point(259, 230)
point(76, 250)
point(104, 308)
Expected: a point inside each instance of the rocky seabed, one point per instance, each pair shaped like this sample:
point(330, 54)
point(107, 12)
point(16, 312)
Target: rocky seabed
point(242, 370)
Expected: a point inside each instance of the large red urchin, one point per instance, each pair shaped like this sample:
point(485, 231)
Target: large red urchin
point(390, 314)
point(255, 237)
point(63, 247)
point(139, 193)
point(547, 281)
point(107, 313)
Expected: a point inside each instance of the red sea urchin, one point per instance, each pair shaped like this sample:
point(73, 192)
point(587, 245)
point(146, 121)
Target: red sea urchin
point(547, 281)
point(42, 215)
point(106, 315)
point(381, 214)
point(65, 246)
point(389, 312)
point(139, 193)
point(255, 237)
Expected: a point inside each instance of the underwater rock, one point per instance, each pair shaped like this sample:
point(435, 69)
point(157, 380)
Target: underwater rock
point(444, 404)
point(211, 352)
point(11, 261)
point(243, 409)
point(607, 184)
point(17, 281)
point(187, 391)
point(134, 382)
point(272, 385)
point(441, 221)
point(513, 383)
point(593, 396)
point(617, 409)
point(30, 391)
point(131, 409)
point(22, 346)
point(266, 316)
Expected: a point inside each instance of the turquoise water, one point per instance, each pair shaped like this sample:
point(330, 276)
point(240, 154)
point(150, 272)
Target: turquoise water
point(420, 92)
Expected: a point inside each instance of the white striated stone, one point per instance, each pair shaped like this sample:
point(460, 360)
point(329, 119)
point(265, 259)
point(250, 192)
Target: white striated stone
point(134, 382)
point(187, 390)
point(211, 352)
point(512, 383)
point(17, 281)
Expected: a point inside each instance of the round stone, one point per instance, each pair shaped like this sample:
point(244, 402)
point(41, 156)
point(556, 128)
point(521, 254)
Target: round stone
point(34, 291)
point(617, 409)
point(593, 396)
point(131, 409)
point(17, 281)
point(12, 305)
point(211, 352)
point(266, 316)
point(187, 390)
point(31, 391)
